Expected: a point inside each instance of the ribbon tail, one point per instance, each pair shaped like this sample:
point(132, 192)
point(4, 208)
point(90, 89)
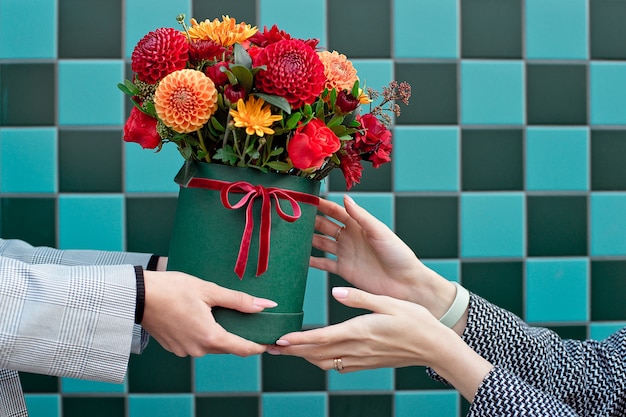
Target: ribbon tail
point(244, 247)
point(264, 234)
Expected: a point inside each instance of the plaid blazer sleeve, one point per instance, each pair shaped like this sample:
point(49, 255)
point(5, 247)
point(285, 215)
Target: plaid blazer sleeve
point(20, 250)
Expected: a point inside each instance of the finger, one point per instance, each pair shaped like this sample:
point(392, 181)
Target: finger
point(370, 224)
point(324, 264)
point(326, 226)
point(355, 298)
point(230, 343)
point(325, 244)
point(236, 300)
point(333, 210)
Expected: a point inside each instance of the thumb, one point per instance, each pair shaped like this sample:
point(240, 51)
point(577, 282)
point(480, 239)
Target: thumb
point(353, 297)
point(236, 300)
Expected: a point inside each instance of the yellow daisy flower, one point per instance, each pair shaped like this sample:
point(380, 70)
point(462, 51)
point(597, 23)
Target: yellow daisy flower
point(254, 116)
point(226, 32)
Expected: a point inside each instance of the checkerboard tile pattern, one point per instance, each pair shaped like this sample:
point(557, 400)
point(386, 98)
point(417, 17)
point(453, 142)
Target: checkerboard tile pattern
point(508, 176)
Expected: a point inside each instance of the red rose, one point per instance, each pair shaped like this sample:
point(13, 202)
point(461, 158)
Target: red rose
point(215, 73)
point(141, 128)
point(311, 145)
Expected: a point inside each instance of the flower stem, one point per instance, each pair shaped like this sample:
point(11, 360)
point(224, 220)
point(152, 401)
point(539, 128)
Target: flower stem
point(207, 157)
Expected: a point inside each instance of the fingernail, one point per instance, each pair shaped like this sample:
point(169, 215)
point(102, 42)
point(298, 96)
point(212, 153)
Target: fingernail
point(349, 199)
point(262, 302)
point(340, 292)
point(273, 351)
point(282, 342)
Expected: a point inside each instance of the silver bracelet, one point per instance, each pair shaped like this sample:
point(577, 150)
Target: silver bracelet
point(458, 307)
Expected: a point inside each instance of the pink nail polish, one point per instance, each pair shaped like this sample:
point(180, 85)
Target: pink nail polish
point(282, 342)
point(262, 302)
point(340, 292)
point(273, 351)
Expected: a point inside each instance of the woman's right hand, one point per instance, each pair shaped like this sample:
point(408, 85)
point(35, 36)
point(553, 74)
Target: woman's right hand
point(372, 257)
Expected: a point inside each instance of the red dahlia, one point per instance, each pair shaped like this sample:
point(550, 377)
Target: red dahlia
point(294, 71)
point(274, 35)
point(350, 165)
point(159, 53)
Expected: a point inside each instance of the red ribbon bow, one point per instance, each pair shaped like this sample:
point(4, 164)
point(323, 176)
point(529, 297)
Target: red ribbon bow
point(251, 193)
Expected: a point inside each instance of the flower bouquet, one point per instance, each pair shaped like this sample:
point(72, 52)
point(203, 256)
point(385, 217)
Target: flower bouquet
point(259, 117)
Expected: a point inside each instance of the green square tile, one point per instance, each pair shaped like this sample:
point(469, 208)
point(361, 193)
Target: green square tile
point(434, 93)
point(501, 283)
point(415, 378)
point(36, 383)
point(361, 405)
point(492, 160)
point(556, 94)
point(607, 19)
point(19, 83)
point(373, 179)
point(241, 10)
point(29, 219)
point(290, 373)
point(491, 29)
point(556, 226)
point(429, 225)
point(101, 171)
point(96, 406)
point(608, 287)
point(157, 370)
point(149, 223)
point(90, 38)
point(237, 406)
point(570, 332)
point(375, 42)
point(608, 171)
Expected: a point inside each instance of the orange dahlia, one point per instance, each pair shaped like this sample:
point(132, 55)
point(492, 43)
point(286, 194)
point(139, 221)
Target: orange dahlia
point(159, 53)
point(293, 71)
point(185, 100)
point(226, 32)
point(254, 116)
point(339, 71)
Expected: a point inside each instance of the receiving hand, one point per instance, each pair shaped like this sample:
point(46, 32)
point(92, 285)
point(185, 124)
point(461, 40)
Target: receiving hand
point(178, 315)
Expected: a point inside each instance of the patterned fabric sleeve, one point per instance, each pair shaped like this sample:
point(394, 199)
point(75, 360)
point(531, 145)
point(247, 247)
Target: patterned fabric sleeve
point(588, 376)
point(22, 251)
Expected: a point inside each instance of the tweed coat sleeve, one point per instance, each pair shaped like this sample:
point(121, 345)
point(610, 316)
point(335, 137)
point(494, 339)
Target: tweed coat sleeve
point(537, 373)
point(67, 313)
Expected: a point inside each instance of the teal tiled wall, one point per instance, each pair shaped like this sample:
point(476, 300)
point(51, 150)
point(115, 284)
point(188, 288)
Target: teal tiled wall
point(508, 176)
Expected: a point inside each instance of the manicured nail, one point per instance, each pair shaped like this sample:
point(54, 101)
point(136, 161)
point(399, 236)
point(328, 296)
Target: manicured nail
point(349, 199)
point(273, 351)
point(340, 292)
point(282, 342)
point(265, 303)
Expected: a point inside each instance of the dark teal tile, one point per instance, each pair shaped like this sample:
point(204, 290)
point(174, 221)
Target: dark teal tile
point(363, 405)
point(415, 378)
point(492, 160)
point(608, 170)
point(368, 37)
point(157, 371)
point(501, 283)
point(30, 219)
point(373, 179)
point(570, 332)
point(556, 94)
point(100, 171)
point(491, 29)
point(149, 223)
point(608, 287)
point(94, 406)
point(237, 406)
point(37, 383)
point(19, 84)
point(429, 225)
point(607, 19)
point(434, 94)
point(80, 37)
point(556, 226)
point(241, 10)
point(290, 373)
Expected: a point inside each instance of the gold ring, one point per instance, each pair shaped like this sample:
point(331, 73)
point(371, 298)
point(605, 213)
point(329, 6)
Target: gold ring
point(337, 364)
point(339, 230)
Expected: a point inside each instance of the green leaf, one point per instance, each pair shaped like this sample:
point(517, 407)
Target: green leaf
point(355, 89)
point(339, 130)
point(279, 166)
point(129, 88)
point(217, 125)
point(293, 120)
point(335, 121)
point(226, 154)
point(277, 151)
point(279, 102)
point(241, 56)
point(243, 75)
point(333, 98)
point(307, 110)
